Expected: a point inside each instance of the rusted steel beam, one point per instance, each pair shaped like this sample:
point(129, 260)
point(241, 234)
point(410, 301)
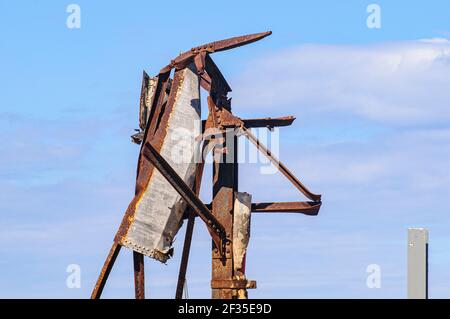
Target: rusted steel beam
point(205, 82)
point(224, 184)
point(139, 277)
point(281, 167)
point(213, 111)
point(185, 256)
point(144, 168)
point(216, 230)
point(188, 235)
point(227, 119)
point(104, 273)
point(269, 122)
point(221, 85)
point(187, 57)
point(307, 208)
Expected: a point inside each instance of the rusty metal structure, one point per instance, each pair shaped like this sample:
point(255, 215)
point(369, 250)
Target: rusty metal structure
point(167, 192)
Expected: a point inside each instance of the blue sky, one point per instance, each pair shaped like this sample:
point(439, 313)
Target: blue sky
point(372, 135)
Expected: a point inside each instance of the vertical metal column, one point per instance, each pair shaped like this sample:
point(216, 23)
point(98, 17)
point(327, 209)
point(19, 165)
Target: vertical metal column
point(222, 208)
point(417, 263)
point(107, 267)
point(139, 278)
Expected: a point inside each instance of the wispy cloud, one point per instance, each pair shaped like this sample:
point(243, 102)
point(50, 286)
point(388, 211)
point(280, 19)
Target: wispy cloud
point(399, 82)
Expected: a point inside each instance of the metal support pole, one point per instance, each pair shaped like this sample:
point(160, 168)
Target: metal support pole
point(417, 263)
point(185, 257)
point(107, 267)
point(139, 278)
point(222, 208)
point(189, 231)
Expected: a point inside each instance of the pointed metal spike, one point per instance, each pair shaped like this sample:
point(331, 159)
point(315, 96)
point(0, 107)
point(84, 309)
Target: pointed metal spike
point(231, 43)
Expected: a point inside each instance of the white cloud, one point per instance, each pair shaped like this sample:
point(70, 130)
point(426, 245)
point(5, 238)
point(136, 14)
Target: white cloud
point(399, 82)
point(407, 166)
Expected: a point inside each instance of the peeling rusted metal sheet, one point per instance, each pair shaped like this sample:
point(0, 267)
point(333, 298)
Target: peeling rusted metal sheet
point(147, 100)
point(241, 237)
point(186, 58)
point(139, 275)
point(157, 210)
point(147, 92)
point(269, 122)
point(224, 185)
point(241, 230)
point(240, 284)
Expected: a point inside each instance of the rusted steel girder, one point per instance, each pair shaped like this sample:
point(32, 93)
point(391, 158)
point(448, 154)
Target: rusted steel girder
point(233, 284)
point(187, 57)
point(268, 122)
point(227, 119)
point(139, 276)
point(106, 269)
point(188, 235)
point(185, 256)
point(221, 87)
point(306, 208)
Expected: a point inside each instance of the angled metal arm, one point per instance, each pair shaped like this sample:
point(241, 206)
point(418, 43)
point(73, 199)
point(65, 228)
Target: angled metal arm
point(283, 169)
point(216, 230)
point(306, 208)
point(187, 57)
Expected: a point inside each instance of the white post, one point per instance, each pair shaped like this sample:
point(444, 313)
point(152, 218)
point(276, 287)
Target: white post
point(417, 263)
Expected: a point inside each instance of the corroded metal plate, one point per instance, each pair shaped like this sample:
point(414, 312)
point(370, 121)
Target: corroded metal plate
point(158, 210)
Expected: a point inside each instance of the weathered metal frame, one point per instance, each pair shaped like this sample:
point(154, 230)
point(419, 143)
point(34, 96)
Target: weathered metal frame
point(218, 216)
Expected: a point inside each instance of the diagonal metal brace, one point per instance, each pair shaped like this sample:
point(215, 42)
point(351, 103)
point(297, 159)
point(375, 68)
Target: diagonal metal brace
point(187, 57)
point(216, 229)
point(283, 169)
